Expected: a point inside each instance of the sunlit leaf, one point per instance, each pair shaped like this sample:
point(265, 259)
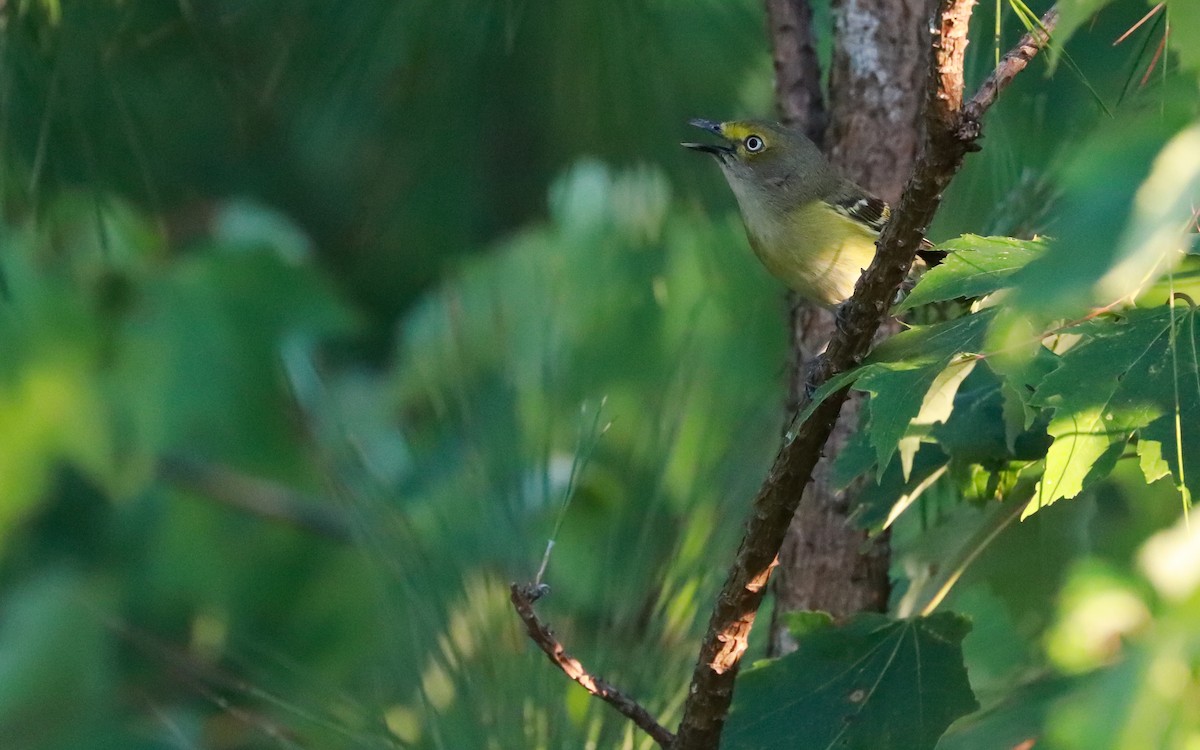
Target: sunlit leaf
point(52, 407)
point(1185, 28)
point(1164, 215)
point(802, 623)
point(1150, 460)
point(51, 413)
point(1099, 186)
point(936, 407)
point(974, 267)
point(1122, 377)
point(903, 371)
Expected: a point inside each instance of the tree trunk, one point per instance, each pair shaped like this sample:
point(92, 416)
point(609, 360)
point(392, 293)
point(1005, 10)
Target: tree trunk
point(876, 89)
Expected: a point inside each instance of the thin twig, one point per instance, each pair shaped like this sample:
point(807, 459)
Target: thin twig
point(1138, 25)
point(1010, 65)
point(256, 496)
point(522, 599)
point(946, 143)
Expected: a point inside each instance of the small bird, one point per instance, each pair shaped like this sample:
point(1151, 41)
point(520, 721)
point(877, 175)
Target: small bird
point(811, 227)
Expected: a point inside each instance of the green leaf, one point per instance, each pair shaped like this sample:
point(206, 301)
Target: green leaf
point(974, 267)
point(935, 409)
point(854, 459)
point(1123, 376)
point(1157, 237)
point(1150, 460)
point(871, 684)
point(1177, 432)
point(879, 505)
point(1013, 722)
point(974, 431)
point(920, 368)
point(1015, 411)
point(50, 408)
point(988, 426)
point(827, 389)
point(1099, 218)
point(801, 623)
point(904, 372)
point(1185, 30)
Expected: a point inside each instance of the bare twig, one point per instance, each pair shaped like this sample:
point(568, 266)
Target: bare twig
point(256, 496)
point(522, 599)
point(1013, 62)
point(946, 143)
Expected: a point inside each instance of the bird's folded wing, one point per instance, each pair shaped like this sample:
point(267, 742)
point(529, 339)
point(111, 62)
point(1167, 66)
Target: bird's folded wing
point(852, 201)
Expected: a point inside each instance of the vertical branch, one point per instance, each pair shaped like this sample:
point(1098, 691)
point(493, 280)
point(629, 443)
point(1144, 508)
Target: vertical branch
point(949, 53)
point(876, 89)
point(797, 72)
point(946, 143)
point(879, 72)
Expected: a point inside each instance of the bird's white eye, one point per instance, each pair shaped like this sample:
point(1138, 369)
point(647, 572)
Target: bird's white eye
point(754, 144)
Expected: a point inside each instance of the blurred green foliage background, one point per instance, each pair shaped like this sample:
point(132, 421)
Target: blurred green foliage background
point(439, 274)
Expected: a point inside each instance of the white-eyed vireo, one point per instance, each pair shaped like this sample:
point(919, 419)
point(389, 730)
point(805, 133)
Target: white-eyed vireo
point(812, 228)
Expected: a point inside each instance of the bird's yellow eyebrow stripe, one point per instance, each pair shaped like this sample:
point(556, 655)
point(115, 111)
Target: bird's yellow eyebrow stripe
point(736, 131)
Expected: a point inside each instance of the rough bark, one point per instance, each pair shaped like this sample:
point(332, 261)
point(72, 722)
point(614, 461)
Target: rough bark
point(798, 94)
point(877, 84)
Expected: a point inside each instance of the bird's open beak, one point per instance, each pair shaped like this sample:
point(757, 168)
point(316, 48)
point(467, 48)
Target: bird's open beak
point(718, 150)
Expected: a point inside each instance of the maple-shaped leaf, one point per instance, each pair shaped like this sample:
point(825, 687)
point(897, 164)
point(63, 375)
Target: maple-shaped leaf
point(974, 266)
point(984, 429)
point(873, 683)
point(1126, 374)
point(1175, 436)
point(914, 373)
point(969, 445)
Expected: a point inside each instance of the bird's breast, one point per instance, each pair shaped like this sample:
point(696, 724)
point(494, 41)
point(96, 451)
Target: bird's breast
point(812, 248)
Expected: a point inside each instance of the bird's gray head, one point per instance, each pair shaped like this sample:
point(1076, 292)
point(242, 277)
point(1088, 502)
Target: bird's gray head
point(765, 156)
